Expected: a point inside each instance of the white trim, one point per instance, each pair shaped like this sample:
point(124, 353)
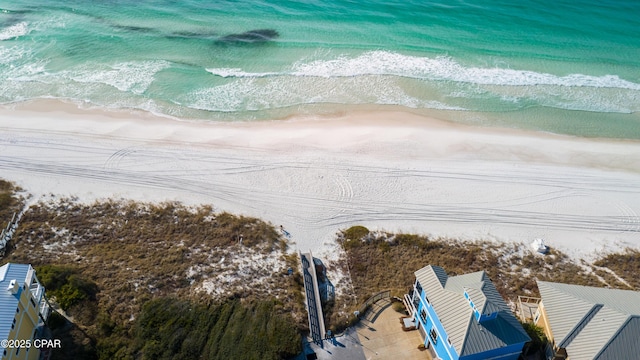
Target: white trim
point(433, 327)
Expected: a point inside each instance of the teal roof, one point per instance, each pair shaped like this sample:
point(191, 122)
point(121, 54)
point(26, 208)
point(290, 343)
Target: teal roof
point(467, 335)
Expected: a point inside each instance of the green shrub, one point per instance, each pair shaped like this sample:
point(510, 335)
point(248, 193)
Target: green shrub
point(356, 233)
point(398, 306)
point(538, 338)
point(53, 277)
point(352, 237)
point(68, 287)
point(56, 321)
point(176, 329)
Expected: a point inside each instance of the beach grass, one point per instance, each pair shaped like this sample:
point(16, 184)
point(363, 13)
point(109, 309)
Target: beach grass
point(10, 202)
point(129, 254)
point(624, 265)
point(379, 261)
point(104, 262)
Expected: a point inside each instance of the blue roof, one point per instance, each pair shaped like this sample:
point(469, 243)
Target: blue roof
point(8, 301)
point(468, 336)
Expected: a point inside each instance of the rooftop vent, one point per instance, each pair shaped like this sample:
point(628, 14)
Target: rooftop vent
point(13, 287)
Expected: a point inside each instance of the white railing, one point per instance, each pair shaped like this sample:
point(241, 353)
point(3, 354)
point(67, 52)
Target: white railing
point(527, 307)
point(44, 309)
point(408, 304)
point(7, 232)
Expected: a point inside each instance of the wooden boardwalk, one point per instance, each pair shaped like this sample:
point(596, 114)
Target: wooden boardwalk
point(312, 295)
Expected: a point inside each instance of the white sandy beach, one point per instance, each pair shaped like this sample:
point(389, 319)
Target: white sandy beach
point(386, 170)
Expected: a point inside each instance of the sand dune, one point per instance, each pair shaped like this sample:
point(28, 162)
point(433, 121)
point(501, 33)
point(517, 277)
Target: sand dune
point(385, 170)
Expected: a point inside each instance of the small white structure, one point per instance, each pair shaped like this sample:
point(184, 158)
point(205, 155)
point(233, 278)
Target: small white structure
point(539, 246)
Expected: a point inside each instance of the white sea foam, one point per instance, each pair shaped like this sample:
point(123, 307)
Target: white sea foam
point(19, 66)
point(261, 94)
point(14, 31)
point(128, 76)
point(8, 55)
point(239, 73)
point(441, 68)
point(26, 72)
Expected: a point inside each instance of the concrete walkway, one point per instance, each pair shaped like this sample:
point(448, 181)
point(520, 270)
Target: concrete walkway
point(378, 335)
point(381, 335)
point(344, 347)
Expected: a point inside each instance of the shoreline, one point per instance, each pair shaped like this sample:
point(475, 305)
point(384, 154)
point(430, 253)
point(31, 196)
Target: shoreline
point(447, 138)
point(387, 170)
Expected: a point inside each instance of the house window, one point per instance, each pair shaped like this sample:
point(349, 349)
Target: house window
point(434, 336)
point(449, 341)
point(427, 299)
point(416, 300)
point(418, 287)
point(423, 316)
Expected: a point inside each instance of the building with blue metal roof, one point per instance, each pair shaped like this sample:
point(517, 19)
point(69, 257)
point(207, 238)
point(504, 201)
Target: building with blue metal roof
point(464, 317)
point(23, 310)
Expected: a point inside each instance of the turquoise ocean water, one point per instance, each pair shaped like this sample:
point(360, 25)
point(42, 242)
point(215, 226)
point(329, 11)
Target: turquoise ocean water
point(564, 66)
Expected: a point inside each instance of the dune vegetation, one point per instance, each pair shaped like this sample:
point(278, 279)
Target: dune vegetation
point(10, 202)
point(379, 261)
point(165, 281)
point(116, 270)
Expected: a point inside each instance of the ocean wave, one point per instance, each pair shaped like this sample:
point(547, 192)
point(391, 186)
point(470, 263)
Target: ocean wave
point(127, 76)
point(239, 73)
point(14, 31)
point(441, 68)
point(250, 94)
point(8, 55)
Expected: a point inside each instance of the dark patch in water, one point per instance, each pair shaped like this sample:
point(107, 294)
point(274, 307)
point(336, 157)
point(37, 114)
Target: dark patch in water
point(250, 37)
point(15, 12)
point(190, 35)
point(136, 28)
point(11, 17)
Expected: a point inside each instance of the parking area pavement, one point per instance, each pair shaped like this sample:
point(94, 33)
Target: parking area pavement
point(381, 335)
point(378, 335)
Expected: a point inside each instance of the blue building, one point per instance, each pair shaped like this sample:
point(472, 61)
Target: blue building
point(464, 317)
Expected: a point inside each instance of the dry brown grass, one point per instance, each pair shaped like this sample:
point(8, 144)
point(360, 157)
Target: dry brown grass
point(11, 201)
point(380, 261)
point(135, 252)
point(625, 265)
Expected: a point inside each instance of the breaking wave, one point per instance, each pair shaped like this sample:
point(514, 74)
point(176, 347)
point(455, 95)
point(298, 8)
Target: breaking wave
point(14, 31)
point(441, 68)
point(127, 76)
